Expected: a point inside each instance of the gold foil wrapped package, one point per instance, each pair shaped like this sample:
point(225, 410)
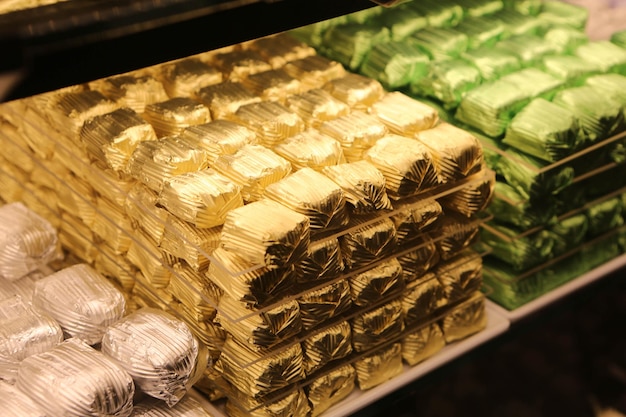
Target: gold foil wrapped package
point(379, 366)
point(356, 132)
point(407, 164)
point(292, 404)
point(357, 91)
point(377, 283)
point(145, 254)
point(112, 225)
point(271, 121)
point(325, 346)
point(320, 305)
point(281, 49)
point(460, 276)
point(395, 64)
point(413, 217)
point(192, 244)
point(71, 110)
point(492, 62)
point(275, 85)
point(202, 198)
point(456, 232)
point(81, 300)
point(311, 149)
point(473, 198)
point(366, 244)
point(310, 193)
point(171, 117)
point(186, 407)
point(404, 115)
point(421, 259)
point(140, 206)
point(349, 43)
point(27, 241)
point(421, 344)
point(239, 64)
point(317, 106)
point(133, 91)
point(422, 298)
point(375, 327)
point(219, 137)
point(314, 71)
point(322, 262)
point(77, 237)
point(17, 403)
point(328, 390)
point(466, 319)
point(440, 43)
point(116, 267)
point(183, 78)
point(437, 13)
point(74, 379)
point(155, 162)
point(224, 99)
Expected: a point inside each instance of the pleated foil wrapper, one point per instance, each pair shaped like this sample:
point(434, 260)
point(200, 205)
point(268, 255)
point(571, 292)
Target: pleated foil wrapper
point(466, 319)
point(156, 349)
point(349, 43)
point(280, 49)
point(535, 83)
point(612, 84)
point(407, 165)
point(418, 261)
point(265, 374)
point(68, 111)
point(313, 33)
point(314, 195)
point(395, 64)
point(133, 91)
point(140, 206)
point(510, 207)
point(440, 43)
point(74, 379)
point(27, 241)
point(81, 300)
point(572, 69)
point(262, 330)
point(326, 346)
point(526, 7)
point(377, 326)
point(195, 291)
point(219, 137)
point(572, 231)
point(317, 106)
point(457, 232)
point(274, 85)
point(402, 21)
point(438, 14)
point(492, 63)
point(311, 149)
point(186, 407)
point(323, 262)
point(605, 216)
point(421, 344)
point(530, 49)
point(356, 132)
point(240, 63)
point(112, 225)
point(225, 98)
point(293, 404)
point(367, 244)
point(173, 116)
point(202, 198)
point(320, 305)
point(355, 90)
point(413, 217)
point(478, 8)
point(25, 286)
point(328, 390)
point(271, 121)
point(472, 198)
point(194, 245)
point(377, 283)
point(422, 298)
point(186, 76)
point(544, 130)
point(154, 162)
point(565, 38)
point(404, 115)
point(17, 403)
point(460, 276)
point(314, 71)
point(518, 23)
point(564, 14)
point(379, 366)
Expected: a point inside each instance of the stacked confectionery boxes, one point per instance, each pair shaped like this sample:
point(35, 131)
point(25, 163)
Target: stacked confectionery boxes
point(313, 230)
point(545, 100)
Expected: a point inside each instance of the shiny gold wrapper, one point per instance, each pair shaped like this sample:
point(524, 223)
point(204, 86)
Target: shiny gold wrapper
point(265, 374)
point(310, 193)
point(274, 85)
point(262, 330)
point(379, 367)
point(311, 149)
point(281, 49)
point(460, 276)
point(133, 91)
point(422, 298)
point(224, 99)
point(219, 137)
point(466, 319)
point(421, 344)
point(364, 245)
point(68, 112)
point(472, 198)
point(186, 407)
point(77, 197)
point(202, 198)
point(317, 106)
point(363, 186)
point(192, 244)
point(458, 233)
point(76, 237)
point(328, 345)
point(356, 132)
point(145, 215)
point(314, 71)
point(209, 333)
point(357, 91)
point(293, 404)
point(271, 121)
point(195, 291)
point(413, 217)
point(328, 390)
point(42, 200)
point(322, 262)
point(319, 306)
point(409, 166)
point(404, 115)
point(417, 262)
point(183, 78)
point(171, 117)
point(145, 294)
point(14, 143)
point(144, 254)
point(115, 267)
point(377, 326)
point(11, 182)
point(154, 162)
point(377, 283)
point(112, 225)
point(108, 185)
point(239, 64)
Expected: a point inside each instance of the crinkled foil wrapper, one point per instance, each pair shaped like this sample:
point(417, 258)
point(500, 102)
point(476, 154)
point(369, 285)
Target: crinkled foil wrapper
point(192, 244)
point(357, 91)
point(367, 244)
point(414, 217)
point(510, 207)
point(112, 225)
point(219, 137)
point(239, 64)
point(379, 367)
point(68, 111)
point(517, 22)
point(402, 21)
point(17, 403)
point(328, 390)
point(377, 326)
point(77, 237)
point(314, 195)
point(274, 85)
point(174, 115)
point(311, 149)
point(535, 83)
point(404, 115)
point(466, 319)
point(199, 295)
point(349, 43)
point(253, 167)
point(566, 38)
point(81, 300)
point(27, 241)
point(418, 261)
point(438, 14)
point(314, 71)
point(293, 404)
point(158, 350)
point(573, 230)
point(604, 216)
point(407, 165)
point(529, 48)
point(440, 43)
point(186, 407)
point(202, 198)
point(421, 344)
point(145, 254)
point(377, 283)
point(564, 14)
point(317, 106)
point(73, 379)
point(280, 49)
point(612, 84)
point(328, 345)
point(482, 31)
point(224, 99)
point(271, 121)
point(491, 62)
point(25, 286)
point(319, 306)
point(186, 76)
point(572, 69)
point(422, 298)
point(323, 262)
point(133, 91)
point(526, 7)
point(356, 132)
point(458, 233)
point(472, 198)
point(460, 276)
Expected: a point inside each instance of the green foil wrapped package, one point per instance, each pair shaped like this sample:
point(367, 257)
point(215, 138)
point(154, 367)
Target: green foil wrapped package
point(528, 48)
point(572, 231)
point(313, 34)
point(566, 39)
point(477, 8)
point(534, 82)
point(619, 38)
point(402, 21)
point(561, 13)
point(491, 62)
point(365, 15)
point(606, 55)
point(509, 207)
point(527, 7)
point(481, 31)
point(438, 13)
point(440, 43)
point(396, 64)
point(605, 216)
point(516, 23)
point(614, 85)
point(571, 69)
point(349, 43)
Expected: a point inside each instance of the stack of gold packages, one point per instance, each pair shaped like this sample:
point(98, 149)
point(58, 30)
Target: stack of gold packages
point(308, 226)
